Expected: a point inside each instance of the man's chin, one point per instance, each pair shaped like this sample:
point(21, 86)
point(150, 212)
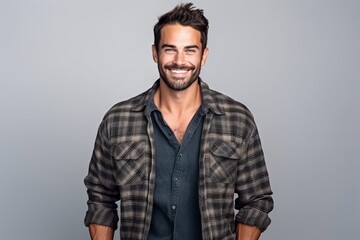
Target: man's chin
point(179, 84)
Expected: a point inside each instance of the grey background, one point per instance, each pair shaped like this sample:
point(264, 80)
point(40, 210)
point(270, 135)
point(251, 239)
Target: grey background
point(295, 64)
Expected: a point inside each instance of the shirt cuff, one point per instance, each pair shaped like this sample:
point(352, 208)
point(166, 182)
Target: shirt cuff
point(104, 217)
point(254, 217)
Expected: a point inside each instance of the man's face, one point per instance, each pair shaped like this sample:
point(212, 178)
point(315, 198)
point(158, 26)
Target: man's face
point(180, 56)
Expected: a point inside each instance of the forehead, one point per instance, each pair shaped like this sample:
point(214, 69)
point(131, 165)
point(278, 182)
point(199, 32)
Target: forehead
point(176, 34)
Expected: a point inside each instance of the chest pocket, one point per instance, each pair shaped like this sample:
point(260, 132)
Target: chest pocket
point(223, 161)
point(130, 162)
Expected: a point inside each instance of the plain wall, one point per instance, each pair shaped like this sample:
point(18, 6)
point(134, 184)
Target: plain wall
point(295, 64)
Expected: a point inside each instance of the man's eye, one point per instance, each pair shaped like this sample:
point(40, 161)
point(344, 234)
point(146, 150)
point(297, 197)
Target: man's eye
point(190, 51)
point(169, 50)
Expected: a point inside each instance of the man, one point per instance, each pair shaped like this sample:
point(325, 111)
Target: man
point(176, 155)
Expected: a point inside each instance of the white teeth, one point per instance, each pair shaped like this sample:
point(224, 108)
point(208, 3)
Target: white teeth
point(179, 71)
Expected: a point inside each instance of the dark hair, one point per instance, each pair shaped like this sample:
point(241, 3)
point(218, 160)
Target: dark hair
point(186, 15)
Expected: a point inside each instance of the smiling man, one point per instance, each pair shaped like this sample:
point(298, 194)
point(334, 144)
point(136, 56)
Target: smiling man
point(179, 65)
point(176, 155)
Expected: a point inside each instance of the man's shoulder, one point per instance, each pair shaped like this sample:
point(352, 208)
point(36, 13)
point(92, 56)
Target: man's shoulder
point(232, 114)
point(227, 104)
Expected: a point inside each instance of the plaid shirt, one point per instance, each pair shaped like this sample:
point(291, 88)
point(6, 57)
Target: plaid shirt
point(231, 163)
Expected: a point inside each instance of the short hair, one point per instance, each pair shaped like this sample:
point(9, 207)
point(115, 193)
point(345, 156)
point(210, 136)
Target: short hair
point(186, 15)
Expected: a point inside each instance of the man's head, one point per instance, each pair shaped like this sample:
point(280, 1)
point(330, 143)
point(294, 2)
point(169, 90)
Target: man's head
point(180, 46)
point(185, 15)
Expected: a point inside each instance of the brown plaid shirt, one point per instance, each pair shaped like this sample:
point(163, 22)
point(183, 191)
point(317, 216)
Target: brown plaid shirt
point(231, 164)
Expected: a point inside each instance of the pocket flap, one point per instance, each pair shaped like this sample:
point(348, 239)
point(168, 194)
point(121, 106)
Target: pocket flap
point(224, 149)
point(129, 150)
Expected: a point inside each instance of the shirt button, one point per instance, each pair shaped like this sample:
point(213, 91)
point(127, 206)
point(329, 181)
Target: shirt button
point(173, 207)
point(180, 155)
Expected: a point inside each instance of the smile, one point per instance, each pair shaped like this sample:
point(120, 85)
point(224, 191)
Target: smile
point(178, 71)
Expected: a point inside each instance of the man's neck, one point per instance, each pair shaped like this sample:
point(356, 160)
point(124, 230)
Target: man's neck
point(175, 102)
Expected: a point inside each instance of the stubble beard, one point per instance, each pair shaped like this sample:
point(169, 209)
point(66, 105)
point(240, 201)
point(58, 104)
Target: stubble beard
point(178, 84)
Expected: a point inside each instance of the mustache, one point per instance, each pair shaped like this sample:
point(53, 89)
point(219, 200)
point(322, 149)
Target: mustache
point(174, 66)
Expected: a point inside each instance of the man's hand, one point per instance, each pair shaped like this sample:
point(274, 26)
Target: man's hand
point(247, 232)
point(100, 232)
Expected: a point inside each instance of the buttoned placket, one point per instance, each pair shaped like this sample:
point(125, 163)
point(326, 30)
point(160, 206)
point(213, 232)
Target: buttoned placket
point(176, 183)
point(179, 167)
point(179, 162)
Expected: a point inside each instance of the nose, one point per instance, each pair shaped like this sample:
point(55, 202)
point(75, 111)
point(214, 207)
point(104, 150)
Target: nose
point(179, 58)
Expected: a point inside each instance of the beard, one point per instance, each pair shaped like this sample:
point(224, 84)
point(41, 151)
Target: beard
point(178, 83)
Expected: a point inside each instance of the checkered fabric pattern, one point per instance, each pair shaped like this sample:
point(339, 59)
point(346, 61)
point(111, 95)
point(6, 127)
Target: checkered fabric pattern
point(231, 163)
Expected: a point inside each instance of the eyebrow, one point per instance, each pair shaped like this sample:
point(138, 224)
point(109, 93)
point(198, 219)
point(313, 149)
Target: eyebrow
point(168, 46)
point(192, 46)
point(173, 46)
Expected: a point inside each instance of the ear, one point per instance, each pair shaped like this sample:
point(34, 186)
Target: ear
point(154, 53)
point(204, 56)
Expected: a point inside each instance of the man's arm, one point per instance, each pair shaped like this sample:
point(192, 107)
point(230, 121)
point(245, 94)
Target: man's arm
point(247, 232)
point(100, 232)
point(103, 193)
point(254, 200)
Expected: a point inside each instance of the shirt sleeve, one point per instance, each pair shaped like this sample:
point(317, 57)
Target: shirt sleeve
point(101, 186)
point(254, 200)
